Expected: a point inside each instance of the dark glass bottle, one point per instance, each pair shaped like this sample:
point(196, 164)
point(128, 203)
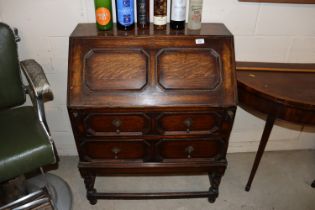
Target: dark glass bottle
point(178, 14)
point(125, 14)
point(160, 14)
point(103, 14)
point(143, 14)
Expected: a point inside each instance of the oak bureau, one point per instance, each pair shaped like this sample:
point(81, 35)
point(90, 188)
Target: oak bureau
point(151, 102)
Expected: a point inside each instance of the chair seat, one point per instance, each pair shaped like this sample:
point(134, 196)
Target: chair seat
point(24, 143)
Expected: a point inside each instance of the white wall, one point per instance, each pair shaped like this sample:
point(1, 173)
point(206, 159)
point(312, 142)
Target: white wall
point(263, 32)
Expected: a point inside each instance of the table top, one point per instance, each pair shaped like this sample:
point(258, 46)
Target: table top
point(291, 87)
point(263, 90)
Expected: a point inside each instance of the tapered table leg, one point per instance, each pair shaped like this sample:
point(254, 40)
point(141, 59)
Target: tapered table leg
point(263, 142)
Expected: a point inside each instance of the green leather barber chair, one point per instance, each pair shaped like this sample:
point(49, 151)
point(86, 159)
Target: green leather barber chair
point(25, 141)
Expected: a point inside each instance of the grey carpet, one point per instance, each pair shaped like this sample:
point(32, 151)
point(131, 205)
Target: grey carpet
point(282, 182)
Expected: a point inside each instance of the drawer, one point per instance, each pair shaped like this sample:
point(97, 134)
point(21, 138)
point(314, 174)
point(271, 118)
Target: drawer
point(189, 123)
point(115, 150)
point(103, 124)
point(190, 148)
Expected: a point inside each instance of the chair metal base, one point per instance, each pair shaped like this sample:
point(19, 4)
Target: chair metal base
point(34, 200)
point(60, 191)
point(44, 189)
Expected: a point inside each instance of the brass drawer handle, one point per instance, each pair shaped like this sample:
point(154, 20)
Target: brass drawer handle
point(189, 150)
point(116, 150)
point(117, 123)
point(188, 123)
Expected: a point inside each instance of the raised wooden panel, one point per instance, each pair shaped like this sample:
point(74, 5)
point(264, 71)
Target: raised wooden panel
point(189, 148)
point(189, 123)
point(184, 69)
point(111, 124)
point(116, 69)
point(114, 150)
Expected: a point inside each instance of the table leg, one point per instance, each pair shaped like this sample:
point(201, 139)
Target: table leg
point(262, 145)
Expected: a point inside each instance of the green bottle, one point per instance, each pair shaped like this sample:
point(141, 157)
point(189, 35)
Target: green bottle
point(103, 14)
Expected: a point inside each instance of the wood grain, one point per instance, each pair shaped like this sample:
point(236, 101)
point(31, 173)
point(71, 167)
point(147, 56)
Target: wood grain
point(189, 69)
point(107, 70)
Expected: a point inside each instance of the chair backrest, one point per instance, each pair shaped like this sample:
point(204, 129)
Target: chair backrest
point(11, 87)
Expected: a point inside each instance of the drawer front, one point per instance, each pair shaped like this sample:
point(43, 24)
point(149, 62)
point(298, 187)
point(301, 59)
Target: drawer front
point(102, 124)
point(191, 148)
point(189, 123)
point(115, 150)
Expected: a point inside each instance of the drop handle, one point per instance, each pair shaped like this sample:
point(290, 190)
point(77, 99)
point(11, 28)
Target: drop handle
point(189, 150)
point(116, 150)
point(188, 124)
point(117, 123)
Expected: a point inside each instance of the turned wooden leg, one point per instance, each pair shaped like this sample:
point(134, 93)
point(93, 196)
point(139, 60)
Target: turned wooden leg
point(263, 142)
point(89, 180)
point(215, 180)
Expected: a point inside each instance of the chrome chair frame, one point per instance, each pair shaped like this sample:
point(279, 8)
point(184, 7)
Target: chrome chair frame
point(39, 90)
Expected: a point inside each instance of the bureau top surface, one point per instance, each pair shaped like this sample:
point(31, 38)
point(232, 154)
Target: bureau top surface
point(89, 30)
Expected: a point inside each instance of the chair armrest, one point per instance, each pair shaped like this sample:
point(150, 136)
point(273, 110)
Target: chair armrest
point(38, 88)
point(37, 80)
